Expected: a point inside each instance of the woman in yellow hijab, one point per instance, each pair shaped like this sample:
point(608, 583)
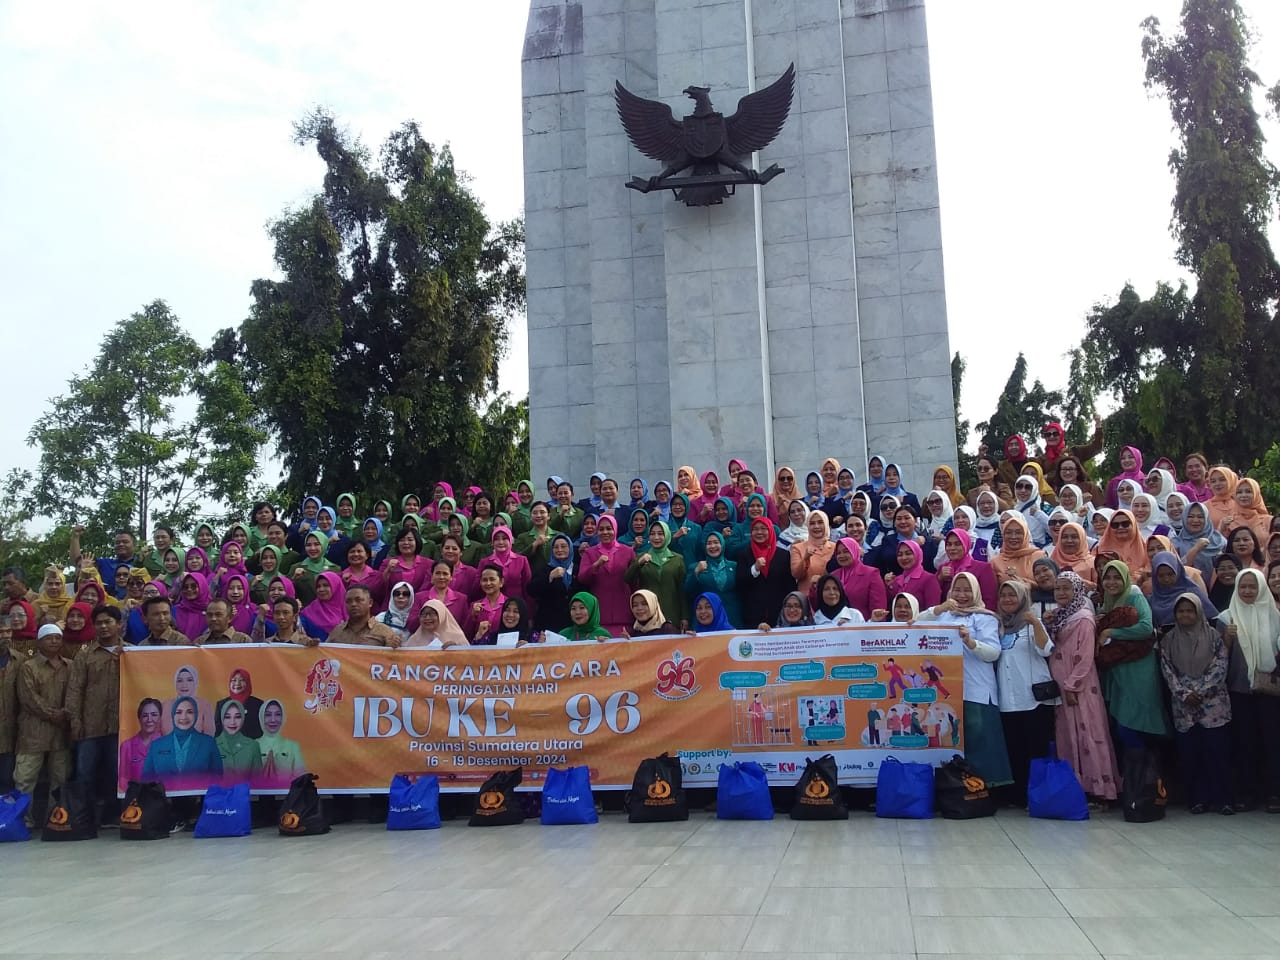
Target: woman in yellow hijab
point(1047, 495)
point(53, 601)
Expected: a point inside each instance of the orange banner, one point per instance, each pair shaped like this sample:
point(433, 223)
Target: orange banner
point(355, 716)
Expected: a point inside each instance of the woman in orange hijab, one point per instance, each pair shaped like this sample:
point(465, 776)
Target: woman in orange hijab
point(1222, 482)
point(1125, 540)
point(830, 471)
point(1018, 552)
point(687, 483)
point(1072, 553)
point(1247, 510)
point(944, 479)
point(784, 490)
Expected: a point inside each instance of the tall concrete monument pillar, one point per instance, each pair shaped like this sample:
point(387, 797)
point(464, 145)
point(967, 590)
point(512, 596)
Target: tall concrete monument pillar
point(796, 320)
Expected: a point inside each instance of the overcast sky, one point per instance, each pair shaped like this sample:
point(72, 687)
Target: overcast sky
point(144, 147)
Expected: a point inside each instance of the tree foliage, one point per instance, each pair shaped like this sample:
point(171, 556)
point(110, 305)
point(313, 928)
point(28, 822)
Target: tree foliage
point(967, 465)
point(1020, 411)
point(374, 359)
point(113, 452)
point(1193, 370)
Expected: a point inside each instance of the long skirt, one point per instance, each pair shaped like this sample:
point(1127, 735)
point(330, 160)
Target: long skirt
point(984, 743)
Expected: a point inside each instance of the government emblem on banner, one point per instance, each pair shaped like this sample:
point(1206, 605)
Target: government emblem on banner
point(677, 679)
point(323, 690)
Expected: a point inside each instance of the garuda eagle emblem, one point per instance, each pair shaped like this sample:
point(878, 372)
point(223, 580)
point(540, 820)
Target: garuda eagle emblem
point(705, 139)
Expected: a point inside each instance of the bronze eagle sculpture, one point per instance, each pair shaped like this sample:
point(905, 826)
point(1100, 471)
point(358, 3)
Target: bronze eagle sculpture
point(705, 139)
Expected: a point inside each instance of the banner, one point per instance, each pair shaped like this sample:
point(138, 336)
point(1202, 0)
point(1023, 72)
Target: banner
point(356, 716)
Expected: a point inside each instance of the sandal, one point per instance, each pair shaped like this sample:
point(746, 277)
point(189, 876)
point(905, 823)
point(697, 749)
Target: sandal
point(1196, 809)
point(1227, 810)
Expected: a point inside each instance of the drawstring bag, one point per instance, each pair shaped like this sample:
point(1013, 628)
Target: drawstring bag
point(13, 809)
point(71, 816)
point(301, 814)
point(145, 814)
point(657, 791)
point(904, 791)
point(497, 804)
point(1054, 791)
point(818, 795)
point(413, 802)
point(1143, 795)
point(742, 793)
point(226, 812)
point(961, 792)
point(567, 798)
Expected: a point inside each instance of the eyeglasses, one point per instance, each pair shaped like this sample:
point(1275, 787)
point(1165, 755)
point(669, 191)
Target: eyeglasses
point(1121, 525)
point(400, 593)
point(1058, 523)
point(1026, 486)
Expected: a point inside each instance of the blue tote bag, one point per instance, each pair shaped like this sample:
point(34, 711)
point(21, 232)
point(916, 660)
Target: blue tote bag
point(1054, 791)
point(13, 807)
point(566, 797)
point(742, 793)
point(225, 812)
point(413, 803)
point(904, 790)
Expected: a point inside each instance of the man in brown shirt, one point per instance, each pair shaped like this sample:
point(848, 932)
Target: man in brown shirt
point(157, 614)
point(93, 704)
point(288, 630)
point(218, 616)
point(42, 716)
point(10, 661)
point(360, 627)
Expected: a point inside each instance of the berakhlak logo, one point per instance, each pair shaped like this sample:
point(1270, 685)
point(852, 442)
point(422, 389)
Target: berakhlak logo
point(677, 679)
point(323, 690)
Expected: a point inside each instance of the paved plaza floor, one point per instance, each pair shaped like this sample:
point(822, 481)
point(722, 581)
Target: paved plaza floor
point(1204, 886)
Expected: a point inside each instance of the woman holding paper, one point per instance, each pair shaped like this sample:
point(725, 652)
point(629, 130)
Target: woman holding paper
point(437, 628)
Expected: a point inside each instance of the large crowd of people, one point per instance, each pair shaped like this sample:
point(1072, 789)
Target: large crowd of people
point(1107, 614)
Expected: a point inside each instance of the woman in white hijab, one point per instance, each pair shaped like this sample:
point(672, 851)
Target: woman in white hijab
point(797, 530)
point(1160, 484)
point(1253, 635)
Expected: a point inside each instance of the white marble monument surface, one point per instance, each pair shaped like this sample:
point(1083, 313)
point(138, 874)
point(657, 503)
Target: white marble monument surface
point(801, 319)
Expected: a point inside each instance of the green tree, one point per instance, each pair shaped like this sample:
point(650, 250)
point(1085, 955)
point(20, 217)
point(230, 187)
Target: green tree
point(375, 357)
point(1020, 411)
point(1193, 371)
point(967, 467)
point(113, 453)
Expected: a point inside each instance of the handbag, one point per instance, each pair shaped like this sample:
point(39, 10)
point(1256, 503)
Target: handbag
point(657, 791)
point(497, 804)
point(71, 816)
point(567, 798)
point(818, 795)
point(742, 793)
point(1054, 791)
point(1120, 651)
point(1046, 690)
point(413, 802)
point(225, 812)
point(146, 814)
point(13, 811)
point(301, 814)
point(961, 792)
point(905, 790)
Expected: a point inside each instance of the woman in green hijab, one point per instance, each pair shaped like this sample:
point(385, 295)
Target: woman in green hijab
point(460, 527)
point(1133, 690)
point(686, 536)
point(241, 757)
point(584, 619)
point(348, 523)
point(281, 757)
point(662, 571)
point(716, 574)
point(270, 561)
point(313, 564)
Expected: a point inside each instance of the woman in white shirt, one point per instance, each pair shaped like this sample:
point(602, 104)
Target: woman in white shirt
point(833, 606)
point(1025, 647)
point(980, 630)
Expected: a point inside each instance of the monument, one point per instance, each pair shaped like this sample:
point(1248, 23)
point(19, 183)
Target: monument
point(801, 314)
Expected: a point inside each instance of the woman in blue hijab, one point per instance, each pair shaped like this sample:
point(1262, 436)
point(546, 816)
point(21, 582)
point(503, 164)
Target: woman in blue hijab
point(716, 574)
point(185, 757)
point(709, 615)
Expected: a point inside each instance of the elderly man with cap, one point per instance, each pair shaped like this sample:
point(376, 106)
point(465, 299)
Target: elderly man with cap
point(43, 721)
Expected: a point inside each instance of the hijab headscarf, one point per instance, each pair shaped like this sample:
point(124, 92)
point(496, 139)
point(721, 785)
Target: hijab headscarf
point(397, 617)
point(1080, 560)
point(831, 610)
point(247, 692)
point(1023, 559)
point(796, 533)
point(566, 564)
point(954, 495)
point(812, 500)
point(1133, 550)
point(644, 493)
point(508, 557)
point(204, 559)
point(917, 572)
point(975, 594)
point(664, 509)
point(764, 551)
point(1167, 485)
point(705, 501)
point(1011, 622)
point(782, 496)
point(188, 614)
point(824, 538)
point(244, 612)
point(1126, 490)
point(1155, 516)
point(899, 491)
point(327, 614)
point(806, 620)
point(54, 608)
point(656, 617)
point(232, 568)
point(1082, 508)
point(591, 630)
point(320, 564)
point(182, 738)
point(448, 630)
point(931, 525)
point(1181, 498)
point(524, 630)
point(694, 489)
point(660, 556)
point(877, 486)
point(289, 591)
point(1183, 539)
point(830, 491)
point(967, 562)
point(719, 619)
point(1042, 485)
point(911, 601)
point(1191, 649)
point(1257, 625)
point(987, 524)
point(1079, 605)
point(1163, 599)
point(1137, 475)
point(85, 633)
point(1221, 507)
point(1256, 511)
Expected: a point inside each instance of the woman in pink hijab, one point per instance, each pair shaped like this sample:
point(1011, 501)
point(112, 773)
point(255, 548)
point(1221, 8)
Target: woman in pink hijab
point(862, 583)
point(603, 571)
point(1130, 469)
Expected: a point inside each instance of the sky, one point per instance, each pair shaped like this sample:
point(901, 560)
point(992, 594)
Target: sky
point(145, 146)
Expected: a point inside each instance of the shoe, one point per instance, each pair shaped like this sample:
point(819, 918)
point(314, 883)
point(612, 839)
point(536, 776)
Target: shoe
point(1196, 809)
point(178, 827)
point(1227, 810)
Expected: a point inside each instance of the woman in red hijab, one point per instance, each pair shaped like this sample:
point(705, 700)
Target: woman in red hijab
point(240, 689)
